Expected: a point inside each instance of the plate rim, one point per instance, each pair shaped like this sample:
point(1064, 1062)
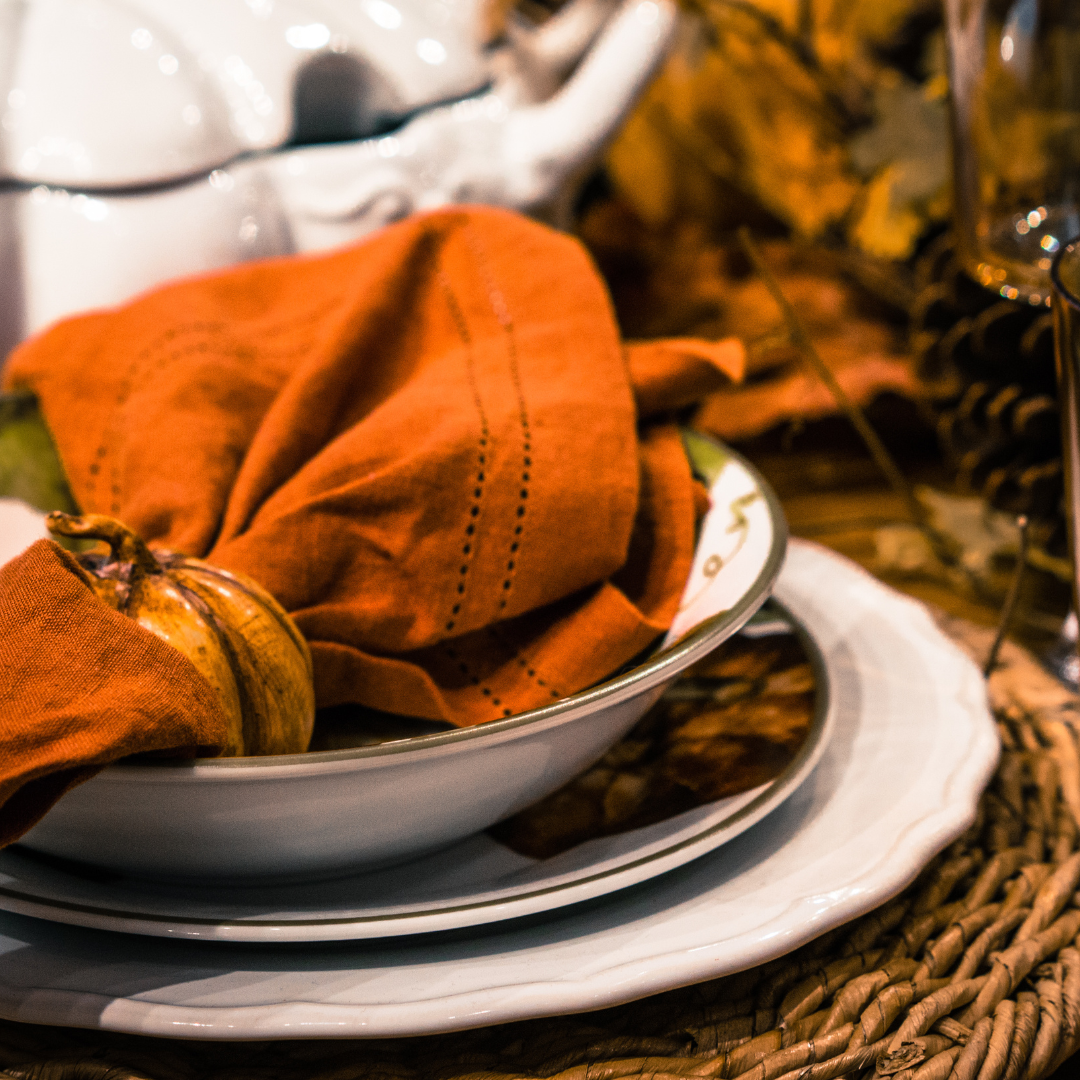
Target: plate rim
point(532, 899)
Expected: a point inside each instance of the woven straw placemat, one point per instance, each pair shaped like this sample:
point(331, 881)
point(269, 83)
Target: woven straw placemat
point(971, 973)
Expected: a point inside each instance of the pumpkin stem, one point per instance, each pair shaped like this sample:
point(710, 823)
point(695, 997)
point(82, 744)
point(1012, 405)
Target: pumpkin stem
point(125, 545)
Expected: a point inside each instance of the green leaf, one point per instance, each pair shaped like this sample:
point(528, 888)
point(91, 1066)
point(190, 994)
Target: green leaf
point(30, 467)
point(707, 456)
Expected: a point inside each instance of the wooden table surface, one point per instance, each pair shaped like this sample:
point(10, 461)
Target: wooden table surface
point(834, 494)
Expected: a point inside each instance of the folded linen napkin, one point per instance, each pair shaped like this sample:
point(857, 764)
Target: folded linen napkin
point(429, 447)
point(82, 686)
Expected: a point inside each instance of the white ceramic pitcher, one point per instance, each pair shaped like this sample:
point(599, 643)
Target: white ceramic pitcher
point(141, 140)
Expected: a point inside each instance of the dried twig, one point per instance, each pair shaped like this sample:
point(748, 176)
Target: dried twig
point(801, 339)
point(1011, 598)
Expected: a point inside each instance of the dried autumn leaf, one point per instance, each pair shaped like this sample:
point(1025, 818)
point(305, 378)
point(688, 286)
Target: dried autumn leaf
point(790, 104)
point(694, 747)
point(866, 354)
point(643, 164)
point(737, 103)
point(888, 225)
point(905, 157)
point(977, 532)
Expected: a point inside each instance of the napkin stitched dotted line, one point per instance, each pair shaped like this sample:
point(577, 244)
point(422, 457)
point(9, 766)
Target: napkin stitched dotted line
point(502, 313)
point(462, 327)
point(522, 661)
point(167, 337)
point(126, 387)
point(501, 310)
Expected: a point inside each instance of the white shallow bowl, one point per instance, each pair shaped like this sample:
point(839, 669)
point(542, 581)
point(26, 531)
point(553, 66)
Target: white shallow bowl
point(320, 814)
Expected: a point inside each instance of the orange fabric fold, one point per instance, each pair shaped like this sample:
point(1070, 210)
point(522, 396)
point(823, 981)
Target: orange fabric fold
point(427, 447)
point(672, 373)
point(82, 686)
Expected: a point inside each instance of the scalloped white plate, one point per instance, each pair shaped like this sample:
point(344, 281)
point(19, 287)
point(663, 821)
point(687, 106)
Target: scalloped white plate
point(912, 748)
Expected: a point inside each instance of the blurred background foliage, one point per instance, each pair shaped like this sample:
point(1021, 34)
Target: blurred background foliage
point(823, 127)
point(828, 116)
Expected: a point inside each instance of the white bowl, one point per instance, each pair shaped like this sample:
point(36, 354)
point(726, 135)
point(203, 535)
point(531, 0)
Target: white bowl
point(319, 814)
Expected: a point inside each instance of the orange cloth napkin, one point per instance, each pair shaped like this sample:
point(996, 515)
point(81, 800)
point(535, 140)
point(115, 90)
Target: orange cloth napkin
point(81, 686)
point(428, 447)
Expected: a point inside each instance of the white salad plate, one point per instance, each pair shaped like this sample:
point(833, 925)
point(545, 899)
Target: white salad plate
point(912, 746)
point(473, 882)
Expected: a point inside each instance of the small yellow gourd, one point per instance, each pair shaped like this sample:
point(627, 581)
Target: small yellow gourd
point(231, 629)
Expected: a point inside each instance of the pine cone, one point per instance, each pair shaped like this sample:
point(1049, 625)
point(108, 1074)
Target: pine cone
point(990, 363)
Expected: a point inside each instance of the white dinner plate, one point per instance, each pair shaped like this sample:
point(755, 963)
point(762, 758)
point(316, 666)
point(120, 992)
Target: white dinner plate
point(912, 747)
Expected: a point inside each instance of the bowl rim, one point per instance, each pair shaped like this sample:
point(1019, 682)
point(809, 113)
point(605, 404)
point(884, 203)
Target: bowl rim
point(612, 691)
